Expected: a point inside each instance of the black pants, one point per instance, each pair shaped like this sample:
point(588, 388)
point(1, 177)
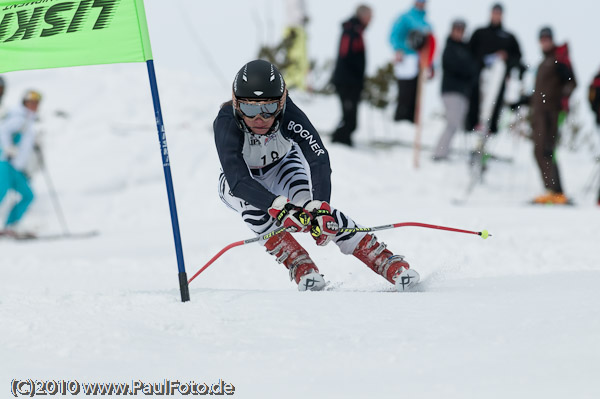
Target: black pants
point(545, 138)
point(349, 99)
point(407, 97)
point(598, 127)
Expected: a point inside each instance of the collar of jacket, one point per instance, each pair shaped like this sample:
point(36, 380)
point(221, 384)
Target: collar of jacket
point(355, 23)
point(551, 52)
point(418, 12)
point(451, 40)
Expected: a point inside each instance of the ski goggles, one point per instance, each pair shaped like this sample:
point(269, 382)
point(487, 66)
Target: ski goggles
point(252, 109)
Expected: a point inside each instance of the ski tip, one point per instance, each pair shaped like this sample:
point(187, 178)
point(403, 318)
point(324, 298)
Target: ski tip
point(407, 280)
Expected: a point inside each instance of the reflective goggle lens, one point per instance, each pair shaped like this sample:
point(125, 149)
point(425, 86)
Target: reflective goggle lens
point(253, 109)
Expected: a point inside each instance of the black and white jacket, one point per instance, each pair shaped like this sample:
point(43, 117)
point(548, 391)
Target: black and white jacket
point(243, 155)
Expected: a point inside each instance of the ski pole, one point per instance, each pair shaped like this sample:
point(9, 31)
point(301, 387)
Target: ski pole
point(483, 234)
point(236, 244)
point(53, 195)
point(589, 184)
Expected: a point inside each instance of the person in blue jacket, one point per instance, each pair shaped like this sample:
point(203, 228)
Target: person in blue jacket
point(407, 59)
point(276, 172)
point(17, 142)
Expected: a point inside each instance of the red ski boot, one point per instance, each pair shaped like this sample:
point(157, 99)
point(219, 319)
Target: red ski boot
point(383, 262)
point(295, 258)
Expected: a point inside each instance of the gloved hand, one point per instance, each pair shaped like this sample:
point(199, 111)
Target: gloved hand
point(564, 111)
point(399, 56)
point(289, 215)
point(324, 226)
point(10, 153)
point(490, 59)
point(430, 72)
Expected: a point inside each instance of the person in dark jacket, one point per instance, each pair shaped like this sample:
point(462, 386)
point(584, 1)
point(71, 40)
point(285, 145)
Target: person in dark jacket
point(2, 85)
point(276, 174)
point(554, 84)
point(349, 75)
point(487, 44)
point(594, 97)
point(460, 72)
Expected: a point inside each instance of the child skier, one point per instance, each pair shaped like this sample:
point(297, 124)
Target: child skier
point(17, 142)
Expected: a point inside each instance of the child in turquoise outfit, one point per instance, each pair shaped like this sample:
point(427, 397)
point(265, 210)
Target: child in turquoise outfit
point(17, 142)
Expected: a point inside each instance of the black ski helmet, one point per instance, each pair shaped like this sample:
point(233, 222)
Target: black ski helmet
point(259, 80)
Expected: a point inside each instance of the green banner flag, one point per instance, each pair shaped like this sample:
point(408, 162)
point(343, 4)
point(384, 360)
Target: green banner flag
point(59, 33)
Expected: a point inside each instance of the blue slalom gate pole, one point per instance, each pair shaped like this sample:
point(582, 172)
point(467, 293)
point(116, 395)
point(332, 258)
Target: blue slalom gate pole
point(162, 138)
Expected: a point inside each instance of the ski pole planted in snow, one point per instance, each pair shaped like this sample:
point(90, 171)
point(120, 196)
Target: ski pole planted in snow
point(118, 35)
point(483, 234)
point(52, 191)
point(236, 244)
point(425, 53)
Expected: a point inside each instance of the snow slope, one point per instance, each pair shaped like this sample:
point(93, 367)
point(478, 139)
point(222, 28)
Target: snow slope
point(514, 316)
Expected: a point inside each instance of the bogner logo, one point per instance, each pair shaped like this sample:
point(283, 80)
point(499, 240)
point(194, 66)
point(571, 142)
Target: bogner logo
point(306, 135)
point(45, 20)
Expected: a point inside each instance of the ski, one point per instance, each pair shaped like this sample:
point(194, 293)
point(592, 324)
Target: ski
point(409, 287)
point(491, 81)
point(569, 203)
point(30, 236)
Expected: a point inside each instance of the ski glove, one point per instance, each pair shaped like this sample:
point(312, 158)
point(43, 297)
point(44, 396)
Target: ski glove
point(430, 72)
point(293, 217)
point(324, 226)
point(10, 153)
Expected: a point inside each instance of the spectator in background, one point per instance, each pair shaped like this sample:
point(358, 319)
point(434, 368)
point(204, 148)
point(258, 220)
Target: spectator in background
point(17, 142)
point(349, 74)
point(487, 44)
point(460, 73)
point(594, 97)
point(406, 58)
point(297, 19)
point(2, 85)
point(554, 84)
